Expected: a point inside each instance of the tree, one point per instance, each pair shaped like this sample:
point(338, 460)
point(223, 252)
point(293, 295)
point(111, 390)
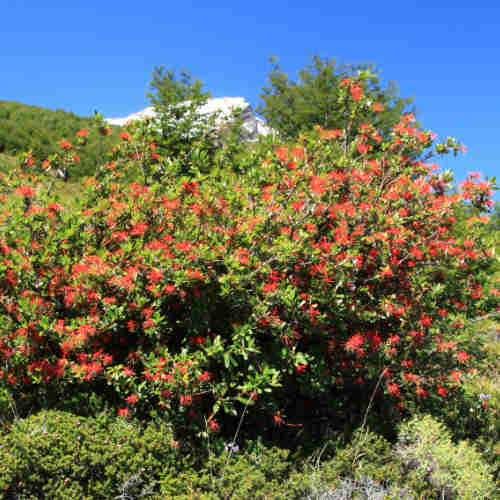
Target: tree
point(193, 141)
point(168, 89)
point(293, 108)
point(177, 100)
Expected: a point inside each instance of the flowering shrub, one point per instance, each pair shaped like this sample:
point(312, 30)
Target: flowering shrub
point(327, 270)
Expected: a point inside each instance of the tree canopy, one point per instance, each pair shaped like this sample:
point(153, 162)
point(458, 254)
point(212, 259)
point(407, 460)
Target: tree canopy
point(294, 107)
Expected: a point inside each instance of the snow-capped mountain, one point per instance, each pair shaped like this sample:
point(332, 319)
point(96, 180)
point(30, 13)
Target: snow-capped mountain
point(225, 106)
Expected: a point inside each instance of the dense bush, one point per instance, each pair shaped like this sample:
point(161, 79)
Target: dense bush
point(322, 280)
point(274, 295)
point(265, 473)
point(62, 456)
point(7, 162)
point(453, 470)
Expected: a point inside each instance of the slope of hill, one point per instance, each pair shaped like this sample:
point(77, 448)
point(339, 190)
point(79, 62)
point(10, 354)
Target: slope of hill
point(6, 161)
point(24, 128)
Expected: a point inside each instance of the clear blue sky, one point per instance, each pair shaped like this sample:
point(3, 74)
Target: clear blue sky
point(85, 55)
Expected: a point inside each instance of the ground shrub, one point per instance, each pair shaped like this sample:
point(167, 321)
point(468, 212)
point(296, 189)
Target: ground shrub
point(59, 455)
point(262, 472)
point(452, 470)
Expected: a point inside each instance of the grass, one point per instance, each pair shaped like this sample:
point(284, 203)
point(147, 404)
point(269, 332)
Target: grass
point(7, 162)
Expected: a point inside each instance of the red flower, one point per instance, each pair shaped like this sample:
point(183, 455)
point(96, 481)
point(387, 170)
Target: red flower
point(132, 399)
point(186, 400)
point(138, 229)
point(386, 271)
point(355, 342)
point(128, 372)
point(155, 275)
point(123, 412)
point(394, 389)
point(425, 320)
point(213, 426)
point(197, 340)
point(318, 184)
point(421, 392)
point(377, 107)
point(278, 420)
point(190, 188)
point(26, 191)
point(82, 133)
point(462, 357)
point(356, 92)
point(269, 287)
point(331, 134)
point(125, 136)
point(362, 148)
point(301, 368)
point(65, 144)
point(205, 377)
point(442, 391)
point(56, 207)
point(282, 153)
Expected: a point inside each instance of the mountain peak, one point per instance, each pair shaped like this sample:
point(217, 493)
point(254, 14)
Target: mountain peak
point(225, 106)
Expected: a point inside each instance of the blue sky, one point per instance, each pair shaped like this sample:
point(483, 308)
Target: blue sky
point(85, 55)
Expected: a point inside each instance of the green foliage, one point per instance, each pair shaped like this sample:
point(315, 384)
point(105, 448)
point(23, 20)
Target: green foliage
point(293, 108)
point(39, 130)
point(366, 455)
point(169, 89)
point(182, 132)
point(188, 142)
point(7, 162)
point(63, 456)
point(453, 470)
point(264, 473)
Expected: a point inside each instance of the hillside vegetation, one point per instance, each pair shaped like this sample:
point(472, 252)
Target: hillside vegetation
point(32, 128)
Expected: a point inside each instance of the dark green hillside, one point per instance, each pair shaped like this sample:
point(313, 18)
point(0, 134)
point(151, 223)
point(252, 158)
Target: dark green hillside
point(24, 128)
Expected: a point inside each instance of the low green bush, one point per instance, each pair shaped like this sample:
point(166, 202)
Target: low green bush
point(59, 455)
point(367, 455)
point(263, 473)
point(452, 470)
point(361, 489)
